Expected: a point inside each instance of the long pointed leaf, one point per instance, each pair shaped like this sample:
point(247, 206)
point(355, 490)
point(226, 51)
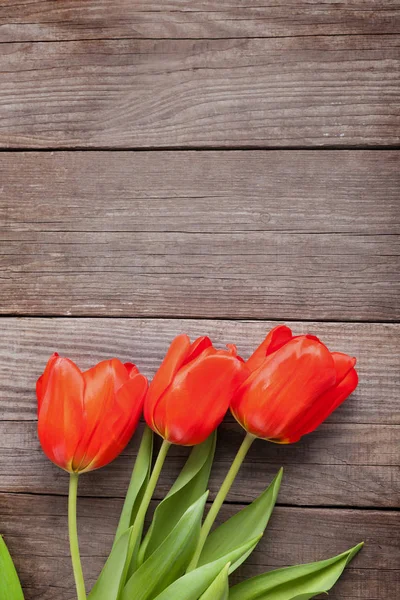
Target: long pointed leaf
point(242, 527)
point(112, 577)
point(108, 585)
point(10, 587)
point(190, 486)
point(219, 589)
point(195, 583)
point(171, 558)
point(138, 483)
point(301, 581)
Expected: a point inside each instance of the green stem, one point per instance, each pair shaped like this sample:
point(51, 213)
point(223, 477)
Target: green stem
point(219, 499)
point(144, 505)
point(73, 537)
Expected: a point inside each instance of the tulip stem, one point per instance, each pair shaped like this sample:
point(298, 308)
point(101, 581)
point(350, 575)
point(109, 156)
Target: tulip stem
point(73, 537)
point(220, 497)
point(144, 505)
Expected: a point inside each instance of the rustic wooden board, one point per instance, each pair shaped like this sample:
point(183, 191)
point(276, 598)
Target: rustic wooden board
point(35, 528)
point(28, 342)
point(70, 20)
point(339, 465)
point(211, 234)
point(314, 91)
point(351, 461)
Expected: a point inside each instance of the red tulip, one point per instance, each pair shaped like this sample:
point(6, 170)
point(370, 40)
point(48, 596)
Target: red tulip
point(294, 385)
point(192, 389)
point(85, 419)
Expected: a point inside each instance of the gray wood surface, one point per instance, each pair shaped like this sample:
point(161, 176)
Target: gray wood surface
point(71, 20)
point(306, 235)
point(332, 467)
point(351, 461)
point(35, 528)
point(30, 342)
point(314, 91)
point(215, 242)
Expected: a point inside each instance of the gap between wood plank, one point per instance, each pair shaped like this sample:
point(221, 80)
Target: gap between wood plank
point(196, 318)
point(206, 148)
point(157, 498)
point(188, 39)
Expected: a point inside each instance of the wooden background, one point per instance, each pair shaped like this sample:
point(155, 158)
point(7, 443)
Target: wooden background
point(211, 167)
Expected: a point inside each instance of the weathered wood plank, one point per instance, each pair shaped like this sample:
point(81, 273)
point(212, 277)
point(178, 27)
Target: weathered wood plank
point(212, 192)
point(28, 342)
point(71, 20)
point(339, 465)
point(279, 234)
point(312, 91)
point(348, 463)
point(35, 529)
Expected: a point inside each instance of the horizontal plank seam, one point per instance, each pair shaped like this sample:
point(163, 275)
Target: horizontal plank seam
point(146, 317)
point(187, 232)
point(207, 148)
point(376, 424)
point(156, 498)
point(186, 39)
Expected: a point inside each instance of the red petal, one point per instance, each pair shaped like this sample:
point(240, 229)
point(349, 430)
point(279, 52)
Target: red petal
point(43, 380)
point(326, 404)
point(172, 362)
point(288, 383)
point(131, 368)
point(343, 364)
point(197, 348)
point(60, 418)
point(196, 402)
point(117, 425)
point(275, 339)
point(101, 384)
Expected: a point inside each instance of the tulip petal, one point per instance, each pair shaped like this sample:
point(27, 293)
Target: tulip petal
point(197, 347)
point(196, 403)
point(173, 360)
point(131, 368)
point(60, 418)
point(113, 402)
point(343, 364)
point(101, 383)
point(276, 338)
point(43, 380)
point(287, 384)
point(326, 404)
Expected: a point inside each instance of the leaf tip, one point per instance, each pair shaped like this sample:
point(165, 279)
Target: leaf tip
point(354, 551)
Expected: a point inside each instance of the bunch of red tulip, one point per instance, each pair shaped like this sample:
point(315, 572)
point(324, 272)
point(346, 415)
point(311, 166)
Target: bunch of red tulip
point(285, 390)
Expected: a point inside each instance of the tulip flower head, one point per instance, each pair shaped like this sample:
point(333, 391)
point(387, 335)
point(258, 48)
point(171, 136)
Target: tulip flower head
point(85, 419)
point(192, 390)
point(294, 385)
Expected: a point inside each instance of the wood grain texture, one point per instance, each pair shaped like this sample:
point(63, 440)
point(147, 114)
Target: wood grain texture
point(351, 461)
point(70, 20)
point(211, 234)
point(305, 91)
point(35, 528)
point(338, 465)
point(27, 344)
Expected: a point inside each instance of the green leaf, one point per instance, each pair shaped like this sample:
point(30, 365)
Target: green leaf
point(138, 483)
point(294, 583)
point(242, 527)
point(171, 558)
point(108, 585)
point(219, 589)
point(308, 596)
point(189, 486)
point(111, 579)
point(193, 584)
point(10, 587)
